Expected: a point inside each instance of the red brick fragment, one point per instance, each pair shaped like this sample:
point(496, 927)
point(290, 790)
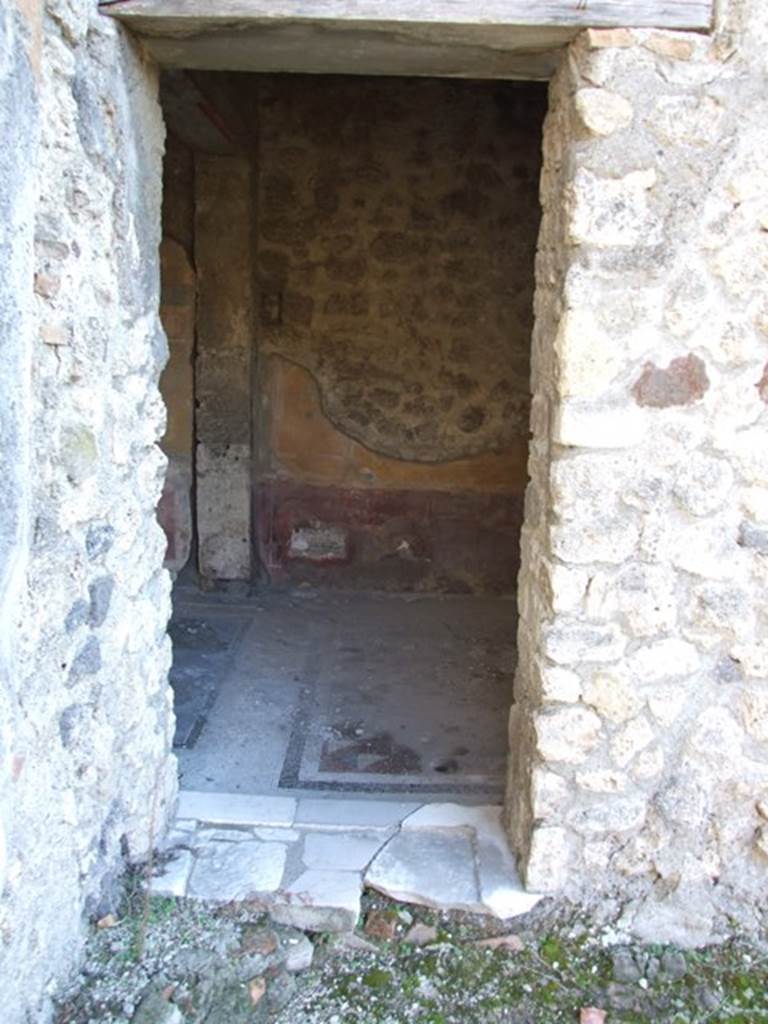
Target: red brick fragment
point(683, 382)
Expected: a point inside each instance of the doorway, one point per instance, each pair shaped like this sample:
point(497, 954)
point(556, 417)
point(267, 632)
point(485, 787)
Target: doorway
point(347, 290)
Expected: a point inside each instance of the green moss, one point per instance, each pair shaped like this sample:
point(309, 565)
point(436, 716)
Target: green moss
point(377, 978)
point(551, 950)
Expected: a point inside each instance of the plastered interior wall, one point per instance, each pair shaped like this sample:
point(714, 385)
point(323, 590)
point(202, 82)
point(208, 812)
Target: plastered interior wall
point(639, 736)
point(224, 219)
point(394, 226)
point(178, 299)
point(396, 229)
point(86, 775)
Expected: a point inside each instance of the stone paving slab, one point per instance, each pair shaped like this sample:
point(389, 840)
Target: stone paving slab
point(347, 851)
point(173, 877)
point(433, 868)
point(443, 855)
point(237, 871)
point(346, 814)
point(449, 815)
point(320, 900)
point(236, 809)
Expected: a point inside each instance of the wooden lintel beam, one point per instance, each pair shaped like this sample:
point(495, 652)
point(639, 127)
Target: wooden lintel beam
point(169, 17)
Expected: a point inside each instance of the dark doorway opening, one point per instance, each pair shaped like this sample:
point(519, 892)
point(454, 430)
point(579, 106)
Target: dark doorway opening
point(347, 290)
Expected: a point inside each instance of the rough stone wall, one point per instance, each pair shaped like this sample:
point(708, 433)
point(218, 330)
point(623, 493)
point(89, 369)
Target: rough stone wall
point(640, 734)
point(86, 775)
point(19, 120)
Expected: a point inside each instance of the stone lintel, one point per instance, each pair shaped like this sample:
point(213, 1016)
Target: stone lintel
point(452, 38)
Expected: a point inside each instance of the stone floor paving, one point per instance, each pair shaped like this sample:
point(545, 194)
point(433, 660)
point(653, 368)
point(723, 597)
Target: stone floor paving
point(405, 696)
point(308, 860)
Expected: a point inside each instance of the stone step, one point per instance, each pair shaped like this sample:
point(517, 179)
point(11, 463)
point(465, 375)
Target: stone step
point(307, 860)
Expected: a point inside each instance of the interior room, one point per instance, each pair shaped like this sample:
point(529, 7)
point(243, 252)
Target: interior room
point(347, 289)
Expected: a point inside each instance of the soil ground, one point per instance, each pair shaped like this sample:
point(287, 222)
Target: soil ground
point(165, 961)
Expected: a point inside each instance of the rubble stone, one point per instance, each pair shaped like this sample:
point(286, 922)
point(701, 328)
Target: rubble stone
point(652, 306)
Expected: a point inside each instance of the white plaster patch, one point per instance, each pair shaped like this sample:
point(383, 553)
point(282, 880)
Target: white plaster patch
point(667, 702)
point(663, 659)
point(611, 211)
point(592, 425)
point(648, 764)
point(686, 120)
point(717, 739)
point(558, 685)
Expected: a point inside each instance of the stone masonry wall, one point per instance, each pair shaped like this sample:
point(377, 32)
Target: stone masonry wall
point(86, 776)
point(19, 120)
point(640, 733)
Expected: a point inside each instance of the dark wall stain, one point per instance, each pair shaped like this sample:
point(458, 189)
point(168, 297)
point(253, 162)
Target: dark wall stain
point(762, 385)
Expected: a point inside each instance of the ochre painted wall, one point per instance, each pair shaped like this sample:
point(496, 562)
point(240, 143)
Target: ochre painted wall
point(306, 445)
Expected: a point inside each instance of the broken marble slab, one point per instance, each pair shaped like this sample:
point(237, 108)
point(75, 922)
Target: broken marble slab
point(501, 891)
point(479, 818)
point(344, 851)
point(224, 872)
point(320, 900)
point(433, 868)
point(173, 875)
